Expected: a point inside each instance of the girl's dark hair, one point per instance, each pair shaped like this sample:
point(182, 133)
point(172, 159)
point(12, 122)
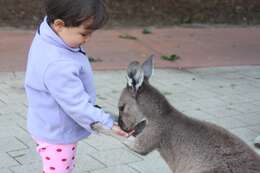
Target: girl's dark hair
point(75, 12)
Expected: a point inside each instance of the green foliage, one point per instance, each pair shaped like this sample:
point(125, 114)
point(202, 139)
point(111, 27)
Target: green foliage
point(147, 31)
point(92, 59)
point(172, 57)
point(127, 36)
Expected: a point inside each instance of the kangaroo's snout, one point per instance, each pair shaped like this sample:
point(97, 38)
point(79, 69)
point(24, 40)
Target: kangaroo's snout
point(120, 122)
point(123, 126)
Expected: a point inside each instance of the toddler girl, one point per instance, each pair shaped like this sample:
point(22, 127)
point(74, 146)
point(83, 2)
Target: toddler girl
point(59, 82)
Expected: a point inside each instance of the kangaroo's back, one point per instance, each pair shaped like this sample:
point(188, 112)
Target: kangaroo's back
point(206, 147)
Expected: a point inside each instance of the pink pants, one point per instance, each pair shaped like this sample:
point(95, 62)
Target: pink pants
point(57, 158)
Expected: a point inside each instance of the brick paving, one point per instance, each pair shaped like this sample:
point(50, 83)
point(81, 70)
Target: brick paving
point(227, 96)
point(202, 46)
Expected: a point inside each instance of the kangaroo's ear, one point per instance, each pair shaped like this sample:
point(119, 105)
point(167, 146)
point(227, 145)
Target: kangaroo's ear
point(148, 66)
point(135, 76)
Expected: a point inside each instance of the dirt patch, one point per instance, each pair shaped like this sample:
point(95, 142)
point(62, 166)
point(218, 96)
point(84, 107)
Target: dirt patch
point(28, 13)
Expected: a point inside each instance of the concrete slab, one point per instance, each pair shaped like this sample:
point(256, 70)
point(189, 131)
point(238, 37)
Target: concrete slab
point(227, 96)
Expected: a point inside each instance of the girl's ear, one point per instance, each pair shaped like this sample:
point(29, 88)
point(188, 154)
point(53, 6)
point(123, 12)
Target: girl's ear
point(148, 66)
point(58, 25)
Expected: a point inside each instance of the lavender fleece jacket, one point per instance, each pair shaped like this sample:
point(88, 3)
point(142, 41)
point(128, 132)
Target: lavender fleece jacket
point(60, 90)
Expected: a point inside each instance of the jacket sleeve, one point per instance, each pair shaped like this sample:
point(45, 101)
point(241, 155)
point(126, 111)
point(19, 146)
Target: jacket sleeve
point(62, 81)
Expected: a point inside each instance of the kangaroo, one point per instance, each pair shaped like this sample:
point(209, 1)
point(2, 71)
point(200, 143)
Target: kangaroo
point(186, 144)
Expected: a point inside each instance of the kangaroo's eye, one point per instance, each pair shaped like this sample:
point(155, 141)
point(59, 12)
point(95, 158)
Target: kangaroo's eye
point(121, 108)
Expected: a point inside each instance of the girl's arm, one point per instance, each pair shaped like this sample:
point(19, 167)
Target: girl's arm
point(63, 82)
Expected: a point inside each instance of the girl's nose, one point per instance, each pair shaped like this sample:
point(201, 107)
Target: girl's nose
point(86, 39)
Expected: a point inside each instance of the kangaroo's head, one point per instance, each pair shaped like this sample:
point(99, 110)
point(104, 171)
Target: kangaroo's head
point(130, 116)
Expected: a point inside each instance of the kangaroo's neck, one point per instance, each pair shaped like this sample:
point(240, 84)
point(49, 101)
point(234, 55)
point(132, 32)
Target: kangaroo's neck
point(151, 101)
point(154, 105)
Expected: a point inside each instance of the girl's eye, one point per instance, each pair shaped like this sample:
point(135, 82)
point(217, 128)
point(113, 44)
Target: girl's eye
point(84, 35)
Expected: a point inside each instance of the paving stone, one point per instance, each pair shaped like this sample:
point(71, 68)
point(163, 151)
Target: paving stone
point(227, 96)
point(250, 118)
point(116, 169)
point(6, 109)
point(7, 161)
point(246, 107)
point(84, 147)
point(28, 141)
point(102, 142)
point(229, 122)
point(35, 167)
point(5, 170)
point(255, 128)
point(199, 114)
point(116, 157)
point(10, 144)
point(7, 76)
point(222, 112)
point(12, 129)
point(87, 163)
point(244, 133)
point(25, 156)
point(152, 163)
point(210, 103)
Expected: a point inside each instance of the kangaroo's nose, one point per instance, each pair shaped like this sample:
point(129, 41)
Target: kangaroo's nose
point(120, 122)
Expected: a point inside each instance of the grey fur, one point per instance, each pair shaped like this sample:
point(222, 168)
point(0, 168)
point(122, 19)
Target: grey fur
point(186, 144)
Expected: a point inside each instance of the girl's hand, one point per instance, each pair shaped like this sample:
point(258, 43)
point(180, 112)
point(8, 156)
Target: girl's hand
point(119, 131)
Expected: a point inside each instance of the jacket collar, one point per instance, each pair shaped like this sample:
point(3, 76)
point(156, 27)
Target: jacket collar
point(47, 34)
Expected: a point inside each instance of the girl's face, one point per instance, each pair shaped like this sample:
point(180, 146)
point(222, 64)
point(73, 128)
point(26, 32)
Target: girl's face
point(74, 37)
